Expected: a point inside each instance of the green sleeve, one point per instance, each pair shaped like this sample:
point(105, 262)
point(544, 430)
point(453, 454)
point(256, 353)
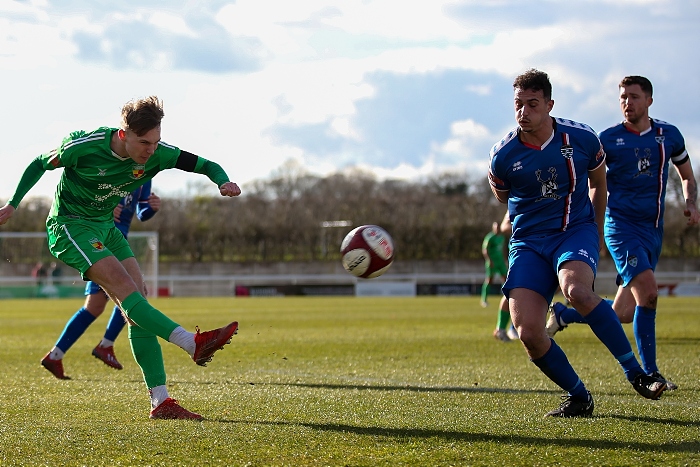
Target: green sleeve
point(212, 170)
point(31, 175)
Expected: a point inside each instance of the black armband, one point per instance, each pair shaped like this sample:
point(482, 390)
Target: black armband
point(186, 161)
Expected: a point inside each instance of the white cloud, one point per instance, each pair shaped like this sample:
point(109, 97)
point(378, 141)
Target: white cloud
point(170, 22)
point(318, 64)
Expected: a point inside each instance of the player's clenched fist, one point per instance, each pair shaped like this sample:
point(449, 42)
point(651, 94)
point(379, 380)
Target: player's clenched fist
point(5, 213)
point(229, 189)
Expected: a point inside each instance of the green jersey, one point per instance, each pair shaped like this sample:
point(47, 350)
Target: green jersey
point(95, 178)
point(493, 244)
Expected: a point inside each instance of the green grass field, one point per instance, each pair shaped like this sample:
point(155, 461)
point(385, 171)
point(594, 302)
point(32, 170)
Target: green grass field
point(342, 381)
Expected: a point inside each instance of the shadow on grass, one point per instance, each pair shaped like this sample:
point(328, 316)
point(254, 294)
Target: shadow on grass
point(666, 421)
point(416, 388)
point(692, 447)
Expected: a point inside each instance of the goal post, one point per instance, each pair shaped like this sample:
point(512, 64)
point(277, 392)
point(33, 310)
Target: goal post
point(27, 268)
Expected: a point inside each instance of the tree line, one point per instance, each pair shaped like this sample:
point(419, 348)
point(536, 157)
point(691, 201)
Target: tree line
point(281, 218)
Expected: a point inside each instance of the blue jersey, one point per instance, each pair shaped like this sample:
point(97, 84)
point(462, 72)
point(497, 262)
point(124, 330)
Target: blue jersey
point(548, 185)
point(135, 202)
point(638, 170)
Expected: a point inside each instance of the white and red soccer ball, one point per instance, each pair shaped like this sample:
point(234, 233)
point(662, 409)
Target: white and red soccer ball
point(367, 251)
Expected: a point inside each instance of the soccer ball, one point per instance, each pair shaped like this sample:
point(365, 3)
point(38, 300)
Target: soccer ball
point(367, 251)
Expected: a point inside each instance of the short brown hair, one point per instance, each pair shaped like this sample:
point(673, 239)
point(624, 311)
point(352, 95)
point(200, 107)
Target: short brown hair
point(534, 80)
point(643, 83)
point(142, 115)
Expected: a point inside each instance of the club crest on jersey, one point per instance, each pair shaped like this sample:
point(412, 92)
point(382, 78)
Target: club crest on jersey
point(660, 139)
point(643, 162)
point(137, 171)
point(632, 260)
point(97, 245)
point(567, 151)
point(549, 186)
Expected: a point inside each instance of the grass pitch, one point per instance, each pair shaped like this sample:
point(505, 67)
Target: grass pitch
point(341, 381)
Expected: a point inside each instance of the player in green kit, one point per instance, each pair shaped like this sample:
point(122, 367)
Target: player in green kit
point(100, 168)
point(493, 249)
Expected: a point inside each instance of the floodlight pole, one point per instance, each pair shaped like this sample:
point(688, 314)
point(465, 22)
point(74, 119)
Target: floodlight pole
point(328, 225)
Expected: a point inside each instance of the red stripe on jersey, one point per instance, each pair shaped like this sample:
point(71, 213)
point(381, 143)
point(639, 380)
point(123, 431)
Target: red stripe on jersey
point(565, 141)
point(54, 160)
point(662, 162)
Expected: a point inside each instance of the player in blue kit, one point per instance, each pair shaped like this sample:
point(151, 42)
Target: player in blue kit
point(551, 172)
point(638, 154)
point(144, 204)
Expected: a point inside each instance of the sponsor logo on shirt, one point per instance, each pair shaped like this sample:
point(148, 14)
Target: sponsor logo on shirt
point(632, 261)
point(101, 172)
point(112, 191)
point(517, 166)
point(620, 142)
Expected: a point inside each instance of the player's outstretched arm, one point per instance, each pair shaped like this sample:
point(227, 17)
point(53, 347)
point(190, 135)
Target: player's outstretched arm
point(193, 163)
point(31, 175)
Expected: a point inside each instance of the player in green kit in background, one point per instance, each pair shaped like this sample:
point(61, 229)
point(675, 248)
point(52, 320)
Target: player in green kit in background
point(493, 248)
point(100, 168)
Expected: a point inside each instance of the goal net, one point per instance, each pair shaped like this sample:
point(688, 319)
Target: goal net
point(27, 269)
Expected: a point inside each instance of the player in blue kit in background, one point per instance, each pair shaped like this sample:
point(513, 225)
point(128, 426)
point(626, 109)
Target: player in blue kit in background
point(638, 153)
point(551, 172)
point(144, 204)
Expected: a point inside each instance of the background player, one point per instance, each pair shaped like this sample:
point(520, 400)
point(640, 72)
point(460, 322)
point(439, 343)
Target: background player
point(543, 170)
point(99, 168)
point(503, 332)
point(493, 249)
point(638, 153)
point(144, 204)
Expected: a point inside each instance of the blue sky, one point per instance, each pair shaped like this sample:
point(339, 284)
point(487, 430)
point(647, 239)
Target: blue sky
point(401, 89)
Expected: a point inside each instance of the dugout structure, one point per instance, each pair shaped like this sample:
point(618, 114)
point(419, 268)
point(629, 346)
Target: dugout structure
point(21, 253)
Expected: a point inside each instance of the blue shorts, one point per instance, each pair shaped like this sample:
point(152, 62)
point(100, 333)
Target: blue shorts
point(91, 288)
point(634, 248)
point(535, 261)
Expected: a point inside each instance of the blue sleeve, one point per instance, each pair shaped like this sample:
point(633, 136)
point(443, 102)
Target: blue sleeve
point(597, 153)
point(497, 179)
point(143, 209)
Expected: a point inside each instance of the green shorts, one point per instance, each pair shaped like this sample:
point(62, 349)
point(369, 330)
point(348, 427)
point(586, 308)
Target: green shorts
point(81, 243)
point(496, 267)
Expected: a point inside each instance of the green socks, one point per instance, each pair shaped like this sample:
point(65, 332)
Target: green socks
point(503, 318)
point(148, 356)
point(145, 316)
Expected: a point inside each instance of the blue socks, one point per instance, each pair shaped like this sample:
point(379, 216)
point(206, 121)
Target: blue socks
point(606, 326)
point(115, 325)
point(644, 325)
point(556, 367)
point(570, 315)
point(76, 326)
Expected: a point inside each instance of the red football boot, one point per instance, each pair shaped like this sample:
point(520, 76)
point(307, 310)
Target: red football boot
point(54, 366)
point(169, 409)
point(208, 342)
